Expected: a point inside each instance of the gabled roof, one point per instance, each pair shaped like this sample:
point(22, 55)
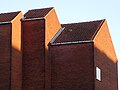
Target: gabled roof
point(7, 17)
point(78, 32)
point(37, 13)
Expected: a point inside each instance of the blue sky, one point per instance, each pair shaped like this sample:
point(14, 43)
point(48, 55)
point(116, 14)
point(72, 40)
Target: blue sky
point(70, 11)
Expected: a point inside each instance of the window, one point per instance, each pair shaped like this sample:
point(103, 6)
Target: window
point(98, 74)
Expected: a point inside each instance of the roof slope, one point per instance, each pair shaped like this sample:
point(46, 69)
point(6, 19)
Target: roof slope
point(78, 31)
point(6, 17)
point(37, 13)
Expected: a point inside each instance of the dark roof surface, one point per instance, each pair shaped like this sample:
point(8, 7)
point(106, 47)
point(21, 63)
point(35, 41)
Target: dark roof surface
point(6, 17)
point(37, 13)
point(78, 31)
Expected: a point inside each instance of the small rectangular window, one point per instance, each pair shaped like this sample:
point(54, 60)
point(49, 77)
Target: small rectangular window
point(98, 74)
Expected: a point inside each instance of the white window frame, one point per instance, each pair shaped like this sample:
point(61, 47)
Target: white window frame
point(98, 73)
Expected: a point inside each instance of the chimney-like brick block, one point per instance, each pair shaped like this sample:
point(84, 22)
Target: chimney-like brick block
point(10, 51)
point(5, 56)
point(33, 35)
point(38, 27)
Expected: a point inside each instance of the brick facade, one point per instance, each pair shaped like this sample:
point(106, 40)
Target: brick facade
point(10, 51)
point(5, 59)
point(33, 55)
point(72, 67)
point(16, 57)
point(36, 34)
point(105, 59)
point(103, 56)
point(38, 53)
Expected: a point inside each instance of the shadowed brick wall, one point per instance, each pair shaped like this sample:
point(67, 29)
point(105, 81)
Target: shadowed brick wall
point(10, 52)
point(5, 56)
point(33, 54)
point(36, 36)
point(108, 72)
point(72, 67)
point(105, 59)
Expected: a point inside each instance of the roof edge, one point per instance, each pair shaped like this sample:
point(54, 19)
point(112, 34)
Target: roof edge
point(76, 42)
point(52, 8)
point(9, 22)
point(31, 19)
point(28, 19)
point(20, 12)
point(83, 21)
point(56, 35)
point(98, 29)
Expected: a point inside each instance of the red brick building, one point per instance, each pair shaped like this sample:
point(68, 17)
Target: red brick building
point(38, 28)
point(83, 58)
point(10, 51)
point(39, 53)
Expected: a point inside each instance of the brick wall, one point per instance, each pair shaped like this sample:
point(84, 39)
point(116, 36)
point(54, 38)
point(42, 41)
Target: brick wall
point(105, 59)
point(5, 56)
point(16, 57)
point(72, 67)
point(52, 26)
point(33, 54)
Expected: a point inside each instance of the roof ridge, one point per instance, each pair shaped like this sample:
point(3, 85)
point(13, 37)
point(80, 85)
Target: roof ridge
point(40, 8)
point(83, 22)
point(9, 12)
point(37, 13)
